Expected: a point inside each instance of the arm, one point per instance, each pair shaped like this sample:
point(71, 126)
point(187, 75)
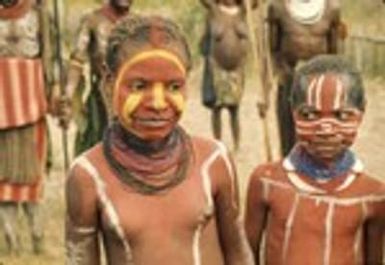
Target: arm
point(374, 236)
point(79, 56)
point(82, 245)
point(231, 234)
point(256, 215)
point(47, 53)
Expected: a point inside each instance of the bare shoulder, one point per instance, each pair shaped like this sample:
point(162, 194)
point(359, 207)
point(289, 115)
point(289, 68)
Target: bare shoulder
point(334, 5)
point(82, 169)
point(372, 184)
point(273, 171)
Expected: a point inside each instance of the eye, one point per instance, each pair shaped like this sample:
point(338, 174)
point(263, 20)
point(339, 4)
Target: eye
point(308, 114)
point(138, 85)
point(174, 86)
point(344, 115)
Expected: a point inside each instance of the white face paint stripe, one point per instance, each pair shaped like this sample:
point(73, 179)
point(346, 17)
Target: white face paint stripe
point(339, 95)
point(349, 124)
point(299, 131)
point(318, 95)
point(107, 203)
point(328, 233)
point(310, 92)
point(288, 228)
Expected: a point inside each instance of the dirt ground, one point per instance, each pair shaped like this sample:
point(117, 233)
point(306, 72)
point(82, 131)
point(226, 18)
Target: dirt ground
point(370, 146)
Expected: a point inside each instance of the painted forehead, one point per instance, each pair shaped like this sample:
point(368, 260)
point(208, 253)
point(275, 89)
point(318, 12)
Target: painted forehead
point(327, 92)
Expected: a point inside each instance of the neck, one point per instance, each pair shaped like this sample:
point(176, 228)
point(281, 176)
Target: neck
point(143, 146)
point(324, 169)
point(113, 12)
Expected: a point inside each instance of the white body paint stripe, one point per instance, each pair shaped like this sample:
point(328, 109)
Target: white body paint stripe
point(329, 233)
point(220, 151)
point(329, 199)
point(289, 227)
point(358, 237)
point(107, 203)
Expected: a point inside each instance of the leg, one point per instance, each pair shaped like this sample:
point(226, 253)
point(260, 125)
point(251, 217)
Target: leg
point(216, 123)
point(8, 217)
point(33, 212)
point(235, 126)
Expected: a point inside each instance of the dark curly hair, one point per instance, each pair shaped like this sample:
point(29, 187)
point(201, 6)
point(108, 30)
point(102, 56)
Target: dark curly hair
point(137, 33)
point(334, 64)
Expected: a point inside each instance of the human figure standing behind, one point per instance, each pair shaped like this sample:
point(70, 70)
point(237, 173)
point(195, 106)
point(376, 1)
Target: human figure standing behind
point(156, 194)
point(224, 47)
point(92, 116)
point(25, 94)
point(299, 30)
point(318, 206)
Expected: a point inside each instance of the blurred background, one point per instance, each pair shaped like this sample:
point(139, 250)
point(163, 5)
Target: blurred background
point(365, 46)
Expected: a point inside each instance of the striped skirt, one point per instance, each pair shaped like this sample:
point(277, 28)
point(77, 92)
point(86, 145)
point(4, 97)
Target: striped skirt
point(22, 162)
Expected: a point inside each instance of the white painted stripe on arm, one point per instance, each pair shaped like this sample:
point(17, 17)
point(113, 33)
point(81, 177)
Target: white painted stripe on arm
point(107, 203)
point(224, 154)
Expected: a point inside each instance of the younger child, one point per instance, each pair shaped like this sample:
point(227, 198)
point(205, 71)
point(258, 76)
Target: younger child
point(317, 206)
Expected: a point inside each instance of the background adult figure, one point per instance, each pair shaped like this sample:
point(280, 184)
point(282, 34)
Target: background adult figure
point(298, 31)
point(92, 116)
point(224, 47)
point(25, 89)
point(155, 193)
point(318, 205)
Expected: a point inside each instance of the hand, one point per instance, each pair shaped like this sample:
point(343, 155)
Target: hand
point(262, 107)
point(61, 107)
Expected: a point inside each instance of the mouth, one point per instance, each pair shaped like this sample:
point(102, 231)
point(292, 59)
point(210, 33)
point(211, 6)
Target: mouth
point(152, 122)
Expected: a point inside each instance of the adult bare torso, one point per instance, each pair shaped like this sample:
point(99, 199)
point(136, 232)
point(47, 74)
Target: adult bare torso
point(298, 41)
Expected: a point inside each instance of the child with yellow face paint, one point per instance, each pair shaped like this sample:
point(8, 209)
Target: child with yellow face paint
point(155, 193)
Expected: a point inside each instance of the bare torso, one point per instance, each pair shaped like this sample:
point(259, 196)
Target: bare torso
point(183, 225)
point(297, 41)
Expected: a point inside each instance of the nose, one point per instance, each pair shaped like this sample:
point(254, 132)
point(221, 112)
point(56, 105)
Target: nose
point(326, 128)
point(158, 97)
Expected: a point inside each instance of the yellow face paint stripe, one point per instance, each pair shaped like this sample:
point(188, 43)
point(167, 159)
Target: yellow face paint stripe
point(179, 100)
point(131, 103)
point(147, 55)
point(159, 101)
